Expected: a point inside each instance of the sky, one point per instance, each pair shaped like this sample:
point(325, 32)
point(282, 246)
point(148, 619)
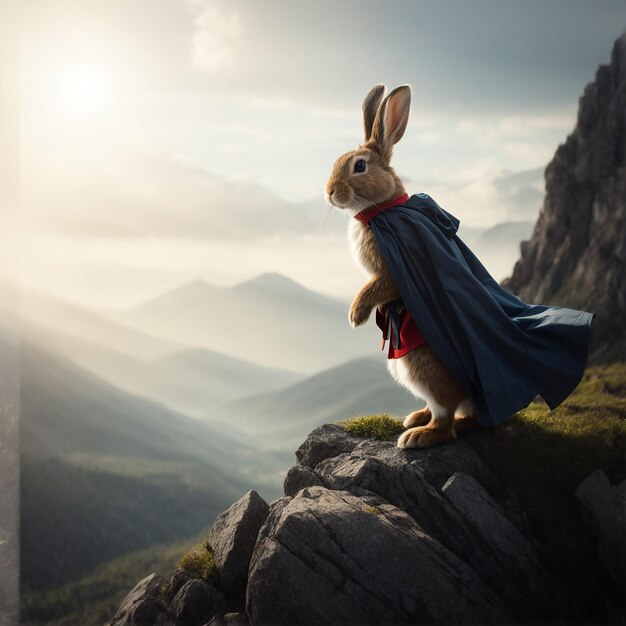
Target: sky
point(167, 140)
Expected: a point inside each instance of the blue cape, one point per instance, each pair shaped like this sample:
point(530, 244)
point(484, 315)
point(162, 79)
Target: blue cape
point(503, 351)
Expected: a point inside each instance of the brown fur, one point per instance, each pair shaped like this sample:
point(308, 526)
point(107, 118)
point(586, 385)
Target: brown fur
point(463, 423)
point(384, 123)
point(427, 371)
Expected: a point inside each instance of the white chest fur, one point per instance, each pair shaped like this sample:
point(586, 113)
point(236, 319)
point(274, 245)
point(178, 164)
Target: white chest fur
point(360, 237)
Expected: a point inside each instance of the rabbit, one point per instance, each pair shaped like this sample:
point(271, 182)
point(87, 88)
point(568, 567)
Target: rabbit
point(363, 178)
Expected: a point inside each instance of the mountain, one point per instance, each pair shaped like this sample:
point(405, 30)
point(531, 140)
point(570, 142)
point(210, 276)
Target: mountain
point(75, 517)
point(577, 253)
point(101, 590)
point(359, 386)
point(503, 234)
point(201, 378)
point(66, 410)
point(70, 413)
point(96, 461)
point(191, 381)
point(494, 527)
point(497, 247)
point(270, 320)
point(47, 312)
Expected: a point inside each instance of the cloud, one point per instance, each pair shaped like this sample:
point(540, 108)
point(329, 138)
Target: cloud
point(156, 196)
point(484, 195)
point(216, 37)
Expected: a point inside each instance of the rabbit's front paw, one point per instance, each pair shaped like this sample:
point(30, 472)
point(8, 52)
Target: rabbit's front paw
point(359, 313)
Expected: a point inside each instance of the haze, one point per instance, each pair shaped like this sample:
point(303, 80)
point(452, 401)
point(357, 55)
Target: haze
point(164, 141)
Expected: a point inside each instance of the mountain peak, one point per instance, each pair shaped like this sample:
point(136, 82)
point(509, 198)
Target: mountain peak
point(270, 280)
point(197, 289)
point(576, 255)
point(447, 514)
point(195, 285)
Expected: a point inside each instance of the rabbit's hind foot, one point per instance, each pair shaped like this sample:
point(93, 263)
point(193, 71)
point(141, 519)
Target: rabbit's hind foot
point(417, 418)
point(425, 436)
point(463, 423)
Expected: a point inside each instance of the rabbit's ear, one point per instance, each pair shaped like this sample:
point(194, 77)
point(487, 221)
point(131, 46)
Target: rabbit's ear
point(371, 105)
point(391, 119)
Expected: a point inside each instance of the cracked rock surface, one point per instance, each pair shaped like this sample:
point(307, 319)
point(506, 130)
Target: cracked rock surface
point(354, 555)
point(368, 533)
point(387, 535)
point(577, 252)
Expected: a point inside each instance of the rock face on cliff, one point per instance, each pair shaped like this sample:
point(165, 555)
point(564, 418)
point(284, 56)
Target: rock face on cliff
point(368, 533)
point(577, 254)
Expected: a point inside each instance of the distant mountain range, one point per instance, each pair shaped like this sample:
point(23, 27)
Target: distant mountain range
point(191, 380)
point(53, 314)
point(270, 320)
point(106, 437)
point(95, 460)
point(499, 246)
point(279, 420)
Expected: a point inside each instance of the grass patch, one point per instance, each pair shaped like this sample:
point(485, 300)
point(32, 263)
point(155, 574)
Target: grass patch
point(546, 454)
point(380, 426)
point(200, 562)
point(587, 432)
point(162, 595)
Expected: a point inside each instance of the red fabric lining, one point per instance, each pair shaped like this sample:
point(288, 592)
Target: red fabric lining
point(410, 335)
point(367, 214)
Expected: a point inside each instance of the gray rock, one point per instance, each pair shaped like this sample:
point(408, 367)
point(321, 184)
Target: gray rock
point(299, 477)
point(606, 507)
point(577, 253)
point(323, 443)
point(230, 619)
point(232, 538)
point(196, 603)
point(141, 606)
point(437, 463)
point(525, 582)
point(407, 479)
point(236, 619)
point(327, 557)
point(178, 579)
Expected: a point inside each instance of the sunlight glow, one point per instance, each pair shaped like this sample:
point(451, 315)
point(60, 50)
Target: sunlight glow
point(84, 87)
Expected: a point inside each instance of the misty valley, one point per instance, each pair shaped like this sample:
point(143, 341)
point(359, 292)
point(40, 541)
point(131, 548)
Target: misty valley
point(139, 425)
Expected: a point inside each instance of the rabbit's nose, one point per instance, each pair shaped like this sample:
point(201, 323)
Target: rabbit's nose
point(330, 192)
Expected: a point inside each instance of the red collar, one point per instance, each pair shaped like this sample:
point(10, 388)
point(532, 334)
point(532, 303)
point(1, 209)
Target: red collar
point(367, 214)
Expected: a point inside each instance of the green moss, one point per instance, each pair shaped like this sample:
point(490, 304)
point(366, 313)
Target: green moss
point(200, 562)
point(587, 432)
point(381, 426)
point(162, 595)
point(546, 454)
point(374, 510)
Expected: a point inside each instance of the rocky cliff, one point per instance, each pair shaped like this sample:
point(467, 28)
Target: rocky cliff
point(577, 254)
point(368, 533)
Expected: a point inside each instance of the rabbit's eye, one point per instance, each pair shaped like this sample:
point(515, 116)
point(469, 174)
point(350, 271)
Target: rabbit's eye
point(359, 166)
